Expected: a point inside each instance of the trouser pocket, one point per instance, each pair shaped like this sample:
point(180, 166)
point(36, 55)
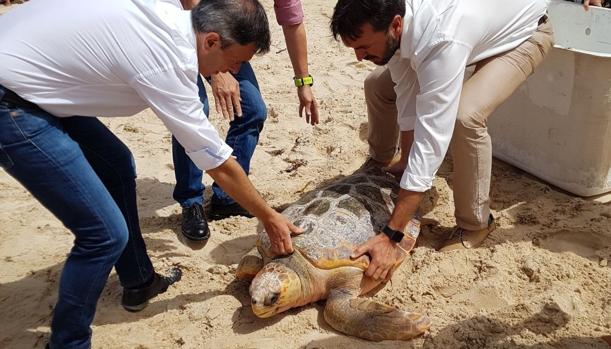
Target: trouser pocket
point(19, 126)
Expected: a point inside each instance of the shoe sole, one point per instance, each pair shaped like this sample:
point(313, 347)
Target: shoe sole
point(138, 307)
point(135, 308)
point(175, 275)
point(196, 239)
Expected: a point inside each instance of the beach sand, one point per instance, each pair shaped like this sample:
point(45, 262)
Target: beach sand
point(541, 280)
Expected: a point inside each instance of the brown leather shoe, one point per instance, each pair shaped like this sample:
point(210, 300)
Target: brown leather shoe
point(462, 239)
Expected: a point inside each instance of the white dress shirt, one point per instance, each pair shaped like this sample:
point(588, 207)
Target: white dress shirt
point(110, 58)
point(440, 38)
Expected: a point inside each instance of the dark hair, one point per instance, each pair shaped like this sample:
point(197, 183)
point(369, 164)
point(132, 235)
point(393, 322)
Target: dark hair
point(236, 21)
point(350, 15)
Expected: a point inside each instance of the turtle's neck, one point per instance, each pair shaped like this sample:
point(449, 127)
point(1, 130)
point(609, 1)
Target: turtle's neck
point(313, 280)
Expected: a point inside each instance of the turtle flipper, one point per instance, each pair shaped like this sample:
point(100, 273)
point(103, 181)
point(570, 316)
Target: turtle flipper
point(249, 265)
point(364, 318)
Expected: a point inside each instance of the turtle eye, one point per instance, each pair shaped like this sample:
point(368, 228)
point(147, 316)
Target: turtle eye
point(273, 299)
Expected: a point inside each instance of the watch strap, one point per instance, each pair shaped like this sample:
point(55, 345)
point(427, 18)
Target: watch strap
point(393, 235)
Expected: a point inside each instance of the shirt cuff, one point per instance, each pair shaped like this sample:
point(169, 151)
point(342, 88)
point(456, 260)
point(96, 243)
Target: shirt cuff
point(406, 123)
point(415, 183)
point(208, 159)
point(289, 14)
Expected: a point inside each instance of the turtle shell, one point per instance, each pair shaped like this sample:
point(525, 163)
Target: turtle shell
point(340, 216)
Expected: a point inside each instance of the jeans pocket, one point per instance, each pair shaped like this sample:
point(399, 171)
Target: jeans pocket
point(18, 125)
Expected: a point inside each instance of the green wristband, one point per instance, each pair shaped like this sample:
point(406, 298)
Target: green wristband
point(305, 81)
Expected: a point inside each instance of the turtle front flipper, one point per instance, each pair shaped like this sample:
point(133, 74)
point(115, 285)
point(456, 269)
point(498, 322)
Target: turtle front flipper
point(249, 265)
point(364, 318)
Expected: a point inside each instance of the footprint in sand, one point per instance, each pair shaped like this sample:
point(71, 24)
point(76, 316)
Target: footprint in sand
point(583, 243)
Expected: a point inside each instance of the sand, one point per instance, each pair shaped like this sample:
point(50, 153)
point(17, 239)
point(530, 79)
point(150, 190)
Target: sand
point(542, 279)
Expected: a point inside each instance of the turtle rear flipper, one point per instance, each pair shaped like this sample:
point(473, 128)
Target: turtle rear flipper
point(364, 318)
point(250, 265)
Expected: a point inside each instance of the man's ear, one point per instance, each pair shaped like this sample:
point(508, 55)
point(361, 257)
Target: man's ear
point(396, 26)
point(212, 40)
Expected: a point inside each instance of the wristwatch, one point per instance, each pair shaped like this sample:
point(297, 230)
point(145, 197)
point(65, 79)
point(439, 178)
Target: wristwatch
point(393, 235)
point(306, 80)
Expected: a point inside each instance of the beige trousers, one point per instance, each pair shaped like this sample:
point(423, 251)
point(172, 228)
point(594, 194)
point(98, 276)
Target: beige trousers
point(493, 81)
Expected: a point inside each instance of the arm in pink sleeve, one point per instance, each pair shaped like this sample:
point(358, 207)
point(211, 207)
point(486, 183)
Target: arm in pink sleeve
point(288, 12)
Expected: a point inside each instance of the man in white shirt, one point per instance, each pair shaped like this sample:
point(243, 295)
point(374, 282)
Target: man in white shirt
point(116, 58)
point(240, 92)
point(425, 46)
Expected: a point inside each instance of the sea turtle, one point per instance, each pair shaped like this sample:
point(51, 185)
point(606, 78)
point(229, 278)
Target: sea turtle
point(336, 219)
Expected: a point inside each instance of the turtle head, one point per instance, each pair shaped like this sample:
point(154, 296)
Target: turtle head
point(275, 289)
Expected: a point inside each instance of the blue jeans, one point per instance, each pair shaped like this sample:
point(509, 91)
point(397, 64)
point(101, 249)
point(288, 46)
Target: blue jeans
point(85, 176)
point(242, 136)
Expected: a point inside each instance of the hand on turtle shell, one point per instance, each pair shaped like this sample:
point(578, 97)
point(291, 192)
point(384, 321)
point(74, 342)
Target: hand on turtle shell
point(279, 230)
point(384, 255)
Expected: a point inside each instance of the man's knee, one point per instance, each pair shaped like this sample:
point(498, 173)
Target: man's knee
point(110, 241)
point(469, 118)
point(118, 240)
point(378, 85)
point(253, 105)
point(372, 81)
point(259, 114)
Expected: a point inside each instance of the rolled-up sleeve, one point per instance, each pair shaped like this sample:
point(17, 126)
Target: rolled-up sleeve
point(440, 79)
point(288, 12)
point(173, 96)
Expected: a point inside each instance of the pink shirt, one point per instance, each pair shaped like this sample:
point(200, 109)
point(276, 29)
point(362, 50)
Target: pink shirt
point(288, 12)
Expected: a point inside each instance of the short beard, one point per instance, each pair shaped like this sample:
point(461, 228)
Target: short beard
point(392, 45)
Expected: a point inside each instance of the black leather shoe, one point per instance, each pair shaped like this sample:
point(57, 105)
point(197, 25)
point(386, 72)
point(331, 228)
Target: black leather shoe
point(194, 224)
point(224, 211)
point(136, 299)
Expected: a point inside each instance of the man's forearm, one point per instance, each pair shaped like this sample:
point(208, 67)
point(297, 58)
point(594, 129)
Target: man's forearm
point(405, 208)
point(232, 178)
point(297, 47)
point(408, 201)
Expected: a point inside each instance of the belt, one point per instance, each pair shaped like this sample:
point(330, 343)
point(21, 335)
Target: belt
point(13, 99)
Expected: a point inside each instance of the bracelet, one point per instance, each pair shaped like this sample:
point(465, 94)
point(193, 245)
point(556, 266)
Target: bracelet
point(402, 249)
point(304, 81)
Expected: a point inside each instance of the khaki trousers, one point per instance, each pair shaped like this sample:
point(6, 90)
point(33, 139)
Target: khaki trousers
point(493, 81)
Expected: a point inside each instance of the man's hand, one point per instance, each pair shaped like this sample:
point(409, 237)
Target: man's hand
point(588, 3)
point(232, 179)
point(226, 91)
point(279, 230)
point(308, 103)
point(384, 254)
